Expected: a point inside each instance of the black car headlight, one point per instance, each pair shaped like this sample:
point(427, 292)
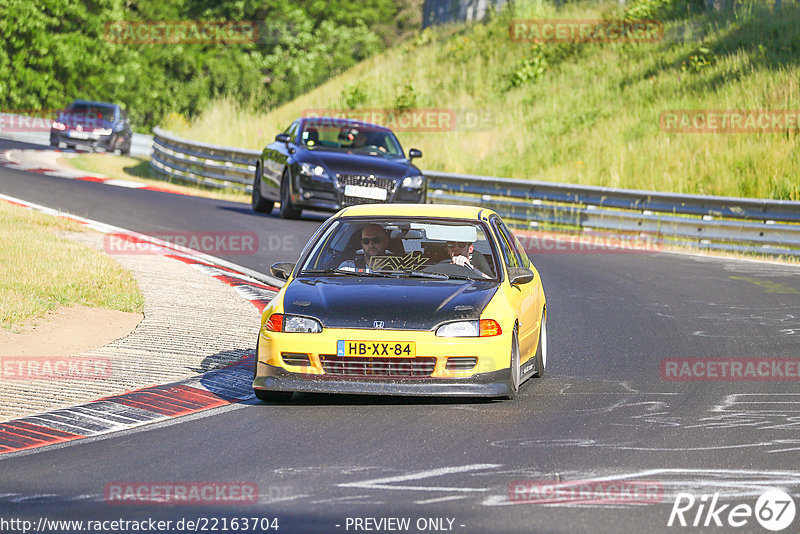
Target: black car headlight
point(312, 170)
point(414, 182)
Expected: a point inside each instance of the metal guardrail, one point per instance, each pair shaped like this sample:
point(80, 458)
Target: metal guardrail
point(726, 223)
point(216, 166)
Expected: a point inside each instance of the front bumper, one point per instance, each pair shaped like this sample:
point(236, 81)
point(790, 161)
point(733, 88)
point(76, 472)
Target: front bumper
point(92, 139)
point(494, 384)
point(321, 193)
point(324, 371)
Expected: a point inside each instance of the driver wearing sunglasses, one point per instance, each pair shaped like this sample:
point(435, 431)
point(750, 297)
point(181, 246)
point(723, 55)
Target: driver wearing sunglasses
point(463, 253)
point(374, 241)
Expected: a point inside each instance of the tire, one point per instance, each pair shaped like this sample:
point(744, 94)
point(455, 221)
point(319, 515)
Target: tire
point(268, 396)
point(541, 350)
point(287, 211)
point(514, 378)
point(273, 396)
point(257, 202)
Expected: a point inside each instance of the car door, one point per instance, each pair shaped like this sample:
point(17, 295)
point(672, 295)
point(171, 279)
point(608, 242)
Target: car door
point(523, 296)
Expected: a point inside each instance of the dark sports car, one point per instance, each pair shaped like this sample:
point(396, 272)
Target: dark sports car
point(94, 124)
point(327, 164)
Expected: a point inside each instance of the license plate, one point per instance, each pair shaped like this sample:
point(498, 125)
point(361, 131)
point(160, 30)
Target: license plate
point(78, 135)
point(378, 349)
point(361, 191)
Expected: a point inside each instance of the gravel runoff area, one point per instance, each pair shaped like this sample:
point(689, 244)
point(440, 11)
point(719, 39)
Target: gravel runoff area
point(192, 323)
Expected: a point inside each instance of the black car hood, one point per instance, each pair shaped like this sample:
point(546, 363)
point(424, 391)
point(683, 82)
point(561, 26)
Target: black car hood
point(401, 303)
point(352, 163)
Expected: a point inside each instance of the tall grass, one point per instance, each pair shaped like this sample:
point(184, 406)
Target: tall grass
point(577, 113)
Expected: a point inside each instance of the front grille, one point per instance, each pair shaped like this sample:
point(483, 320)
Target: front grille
point(461, 363)
point(384, 367)
point(365, 181)
point(295, 358)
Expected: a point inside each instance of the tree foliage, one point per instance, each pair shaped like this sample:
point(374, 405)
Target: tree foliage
point(54, 51)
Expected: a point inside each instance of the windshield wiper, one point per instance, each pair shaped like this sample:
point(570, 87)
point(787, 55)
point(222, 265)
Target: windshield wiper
point(347, 272)
point(425, 274)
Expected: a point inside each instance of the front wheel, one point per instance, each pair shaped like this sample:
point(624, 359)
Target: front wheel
point(287, 211)
point(257, 202)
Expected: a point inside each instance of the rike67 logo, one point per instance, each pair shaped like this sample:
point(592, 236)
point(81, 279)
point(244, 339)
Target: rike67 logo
point(774, 510)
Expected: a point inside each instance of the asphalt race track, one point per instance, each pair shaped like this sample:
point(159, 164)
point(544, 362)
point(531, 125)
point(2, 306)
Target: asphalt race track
point(334, 463)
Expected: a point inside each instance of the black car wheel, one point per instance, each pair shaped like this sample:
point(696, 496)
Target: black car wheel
point(257, 202)
point(287, 211)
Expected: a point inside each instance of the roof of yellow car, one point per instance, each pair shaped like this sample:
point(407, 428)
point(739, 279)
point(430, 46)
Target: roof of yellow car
point(415, 210)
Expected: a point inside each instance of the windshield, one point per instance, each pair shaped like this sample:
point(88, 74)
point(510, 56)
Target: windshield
point(429, 248)
point(88, 113)
point(346, 136)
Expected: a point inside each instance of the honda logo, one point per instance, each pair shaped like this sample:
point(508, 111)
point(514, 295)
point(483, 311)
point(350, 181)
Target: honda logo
point(378, 324)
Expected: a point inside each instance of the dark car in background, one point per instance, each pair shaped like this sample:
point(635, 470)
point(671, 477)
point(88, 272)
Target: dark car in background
point(99, 125)
point(326, 164)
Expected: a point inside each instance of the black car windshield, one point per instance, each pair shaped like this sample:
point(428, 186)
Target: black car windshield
point(346, 136)
point(89, 112)
point(435, 249)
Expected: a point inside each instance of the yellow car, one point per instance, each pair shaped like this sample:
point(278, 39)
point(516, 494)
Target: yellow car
point(402, 299)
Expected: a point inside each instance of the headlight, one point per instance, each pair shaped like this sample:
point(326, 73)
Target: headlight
point(279, 322)
point(58, 126)
point(482, 328)
point(293, 323)
point(103, 131)
point(312, 170)
point(414, 182)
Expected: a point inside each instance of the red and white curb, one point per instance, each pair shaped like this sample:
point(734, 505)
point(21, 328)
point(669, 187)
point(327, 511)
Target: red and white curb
point(11, 160)
point(156, 403)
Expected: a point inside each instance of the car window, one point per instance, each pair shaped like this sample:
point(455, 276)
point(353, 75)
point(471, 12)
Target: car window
point(292, 131)
point(333, 134)
point(406, 245)
point(510, 256)
point(516, 246)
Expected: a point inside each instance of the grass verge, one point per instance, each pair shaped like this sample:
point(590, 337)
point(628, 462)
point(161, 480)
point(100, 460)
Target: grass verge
point(138, 170)
point(42, 271)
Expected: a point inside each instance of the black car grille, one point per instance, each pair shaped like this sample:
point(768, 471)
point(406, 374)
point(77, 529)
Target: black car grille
point(383, 367)
point(295, 358)
point(366, 181)
point(461, 363)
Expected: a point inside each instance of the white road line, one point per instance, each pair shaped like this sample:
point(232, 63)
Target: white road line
point(441, 499)
point(383, 483)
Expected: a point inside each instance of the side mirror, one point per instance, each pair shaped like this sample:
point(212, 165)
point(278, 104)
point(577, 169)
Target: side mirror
point(282, 270)
point(519, 275)
point(414, 153)
point(283, 138)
